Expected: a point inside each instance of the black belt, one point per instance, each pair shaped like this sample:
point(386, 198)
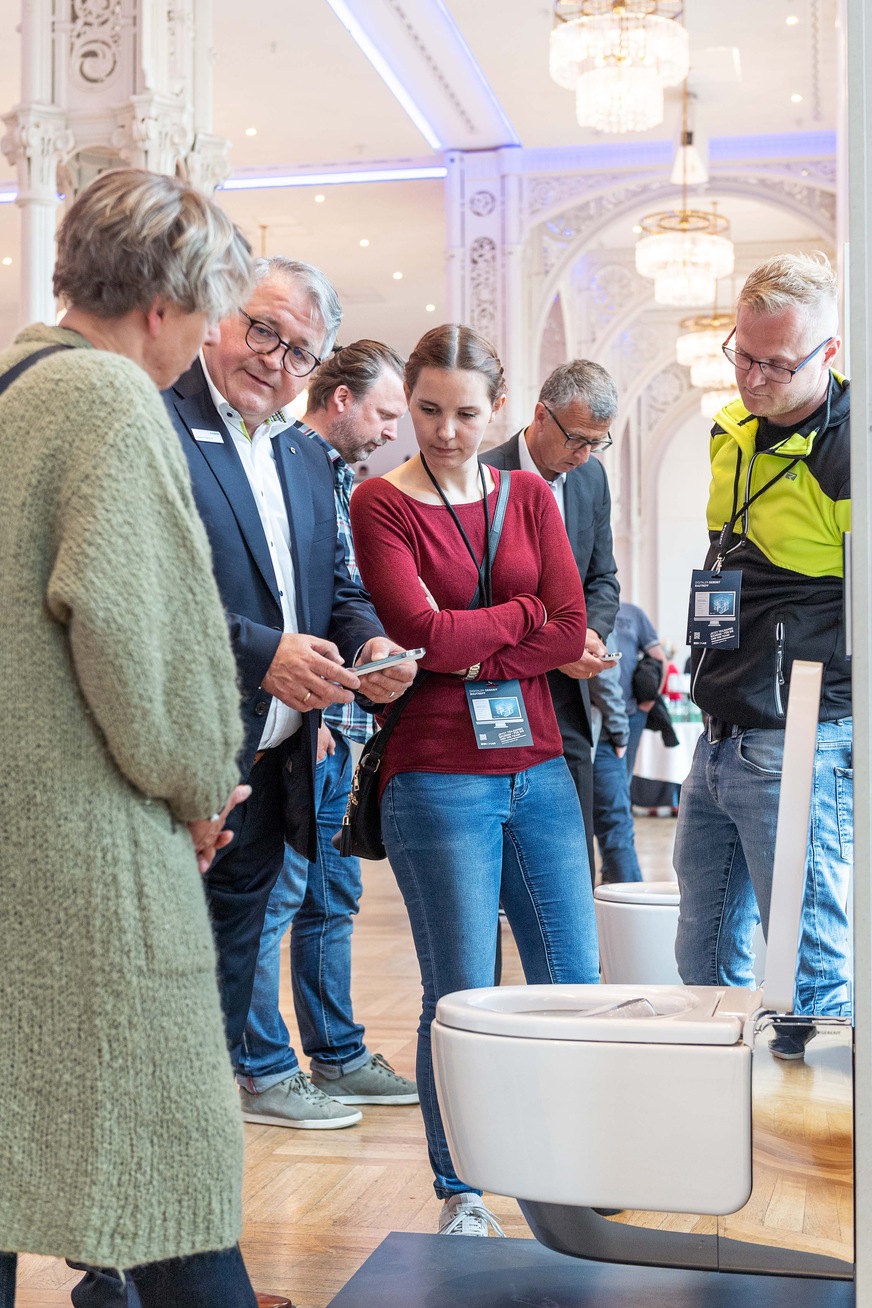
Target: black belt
point(716, 729)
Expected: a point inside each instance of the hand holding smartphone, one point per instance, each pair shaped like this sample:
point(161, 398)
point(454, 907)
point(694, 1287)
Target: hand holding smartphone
point(388, 662)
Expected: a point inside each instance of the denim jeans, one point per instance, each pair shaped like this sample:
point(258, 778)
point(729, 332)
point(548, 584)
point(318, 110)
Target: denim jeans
point(638, 718)
point(458, 845)
point(724, 851)
point(321, 899)
point(612, 816)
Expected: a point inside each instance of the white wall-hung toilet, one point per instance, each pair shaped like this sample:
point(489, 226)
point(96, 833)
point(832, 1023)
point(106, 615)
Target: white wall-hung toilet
point(637, 922)
point(541, 1087)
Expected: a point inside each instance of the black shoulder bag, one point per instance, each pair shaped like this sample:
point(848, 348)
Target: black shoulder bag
point(361, 831)
point(12, 374)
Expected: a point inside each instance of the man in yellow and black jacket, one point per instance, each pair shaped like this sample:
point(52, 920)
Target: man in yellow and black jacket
point(779, 506)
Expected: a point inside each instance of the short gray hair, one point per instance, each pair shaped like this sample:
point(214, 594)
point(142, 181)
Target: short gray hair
point(133, 236)
point(321, 292)
point(580, 379)
point(787, 280)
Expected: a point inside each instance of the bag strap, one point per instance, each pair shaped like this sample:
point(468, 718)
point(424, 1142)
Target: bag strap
point(373, 757)
point(12, 374)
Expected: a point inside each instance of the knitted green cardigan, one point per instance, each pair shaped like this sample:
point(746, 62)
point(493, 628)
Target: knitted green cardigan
point(120, 1133)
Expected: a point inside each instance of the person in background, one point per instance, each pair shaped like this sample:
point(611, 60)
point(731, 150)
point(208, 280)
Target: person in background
point(572, 418)
point(612, 811)
point(122, 731)
point(465, 826)
point(634, 637)
point(355, 400)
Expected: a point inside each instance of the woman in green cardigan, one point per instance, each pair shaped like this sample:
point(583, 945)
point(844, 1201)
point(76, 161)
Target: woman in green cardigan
point(121, 729)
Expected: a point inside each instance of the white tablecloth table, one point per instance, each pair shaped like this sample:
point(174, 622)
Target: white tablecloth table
point(655, 762)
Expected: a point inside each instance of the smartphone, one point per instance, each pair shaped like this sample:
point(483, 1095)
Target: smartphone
point(611, 656)
point(388, 662)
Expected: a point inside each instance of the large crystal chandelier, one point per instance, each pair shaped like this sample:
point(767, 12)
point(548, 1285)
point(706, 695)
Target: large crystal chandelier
point(685, 250)
point(699, 349)
point(617, 55)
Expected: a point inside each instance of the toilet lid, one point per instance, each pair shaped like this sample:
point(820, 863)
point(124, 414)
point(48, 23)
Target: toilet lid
point(685, 1015)
point(639, 892)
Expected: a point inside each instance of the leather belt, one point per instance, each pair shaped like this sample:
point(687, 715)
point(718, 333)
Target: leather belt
point(716, 729)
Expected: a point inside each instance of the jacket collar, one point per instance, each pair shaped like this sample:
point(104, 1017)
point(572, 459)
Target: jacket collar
point(736, 422)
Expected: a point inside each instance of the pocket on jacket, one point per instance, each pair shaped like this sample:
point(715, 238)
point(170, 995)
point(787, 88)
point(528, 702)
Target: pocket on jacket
point(177, 935)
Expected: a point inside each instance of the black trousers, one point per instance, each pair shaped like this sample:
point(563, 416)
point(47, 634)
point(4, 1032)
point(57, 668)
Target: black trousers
point(238, 887)
point(206, 1280)
point(574, 723)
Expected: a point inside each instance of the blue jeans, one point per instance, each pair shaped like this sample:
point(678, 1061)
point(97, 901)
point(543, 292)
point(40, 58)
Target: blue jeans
point(637, 718)
point(612, 815)
point(321, 899)
point(724, 851)
point(460, 844)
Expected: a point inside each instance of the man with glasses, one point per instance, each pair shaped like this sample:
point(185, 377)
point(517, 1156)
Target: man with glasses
point(265, 493)
point(576, 407)
point(779, 505)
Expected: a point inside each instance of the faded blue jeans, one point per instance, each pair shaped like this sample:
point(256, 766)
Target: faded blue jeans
point(724, 851)
point(458, 845)
point(613, 816)
point(321, 899)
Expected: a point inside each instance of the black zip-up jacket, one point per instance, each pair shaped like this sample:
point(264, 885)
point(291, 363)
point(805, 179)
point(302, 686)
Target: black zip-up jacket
point(792, 599)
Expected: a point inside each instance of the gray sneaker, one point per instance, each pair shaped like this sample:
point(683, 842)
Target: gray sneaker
point(375, 1082)
point(296, 1102)
point(466, 1214)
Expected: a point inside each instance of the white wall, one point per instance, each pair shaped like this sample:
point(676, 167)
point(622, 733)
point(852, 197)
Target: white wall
point(680, 530)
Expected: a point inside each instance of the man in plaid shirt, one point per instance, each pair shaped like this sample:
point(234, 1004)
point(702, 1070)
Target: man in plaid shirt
point(355, 401)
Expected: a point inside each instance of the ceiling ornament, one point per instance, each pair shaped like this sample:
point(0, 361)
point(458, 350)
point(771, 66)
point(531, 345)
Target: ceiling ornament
point(618, 55)
point(699, 349)
point(685, 250)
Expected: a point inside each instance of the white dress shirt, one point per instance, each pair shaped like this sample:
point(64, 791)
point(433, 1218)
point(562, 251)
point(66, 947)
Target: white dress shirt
point(258, 460)
point(557, 485)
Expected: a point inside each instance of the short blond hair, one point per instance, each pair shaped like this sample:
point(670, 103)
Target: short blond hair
point(787, 280)
point(133, 236)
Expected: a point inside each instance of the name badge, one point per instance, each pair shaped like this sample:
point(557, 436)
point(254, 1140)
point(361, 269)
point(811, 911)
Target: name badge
point(207, 437)
point(713, 615)
point(499, 716)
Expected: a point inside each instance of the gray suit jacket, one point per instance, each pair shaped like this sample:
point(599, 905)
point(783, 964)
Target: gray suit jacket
point(588, 507)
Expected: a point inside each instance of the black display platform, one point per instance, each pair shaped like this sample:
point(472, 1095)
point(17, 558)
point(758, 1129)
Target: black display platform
point(457, 1271)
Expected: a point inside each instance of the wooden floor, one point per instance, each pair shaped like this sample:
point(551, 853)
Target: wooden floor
point(318, 1202)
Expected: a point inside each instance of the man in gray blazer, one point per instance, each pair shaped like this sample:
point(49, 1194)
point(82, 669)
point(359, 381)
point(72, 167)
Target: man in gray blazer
point(571, 421)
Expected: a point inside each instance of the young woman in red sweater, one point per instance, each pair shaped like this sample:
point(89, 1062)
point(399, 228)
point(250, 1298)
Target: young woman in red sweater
point(477, 804)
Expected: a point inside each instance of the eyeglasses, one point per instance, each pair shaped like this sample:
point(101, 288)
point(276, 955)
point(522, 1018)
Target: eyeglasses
point(776, 372)
point(574, 442)
point(261, 339)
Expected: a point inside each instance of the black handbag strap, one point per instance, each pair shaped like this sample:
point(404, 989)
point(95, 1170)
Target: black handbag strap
point(12, 374)
point(372, 758)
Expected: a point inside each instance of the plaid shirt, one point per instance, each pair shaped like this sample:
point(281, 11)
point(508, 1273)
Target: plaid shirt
point(348, 719)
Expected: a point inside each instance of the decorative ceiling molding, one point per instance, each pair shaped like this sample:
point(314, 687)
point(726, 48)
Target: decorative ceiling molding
point(422, 57)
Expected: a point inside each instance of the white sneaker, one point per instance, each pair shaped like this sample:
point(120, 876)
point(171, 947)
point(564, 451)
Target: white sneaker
point(465, 1214)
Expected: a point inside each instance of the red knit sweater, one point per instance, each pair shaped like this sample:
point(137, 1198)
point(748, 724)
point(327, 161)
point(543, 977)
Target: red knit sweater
point(397, 540)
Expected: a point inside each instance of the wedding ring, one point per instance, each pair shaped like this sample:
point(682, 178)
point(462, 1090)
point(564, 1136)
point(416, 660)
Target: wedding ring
point(307, 696)
point(391, 695)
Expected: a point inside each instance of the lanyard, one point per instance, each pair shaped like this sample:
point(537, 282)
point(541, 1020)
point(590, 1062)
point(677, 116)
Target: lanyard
point(724, 545)
point(485, 590)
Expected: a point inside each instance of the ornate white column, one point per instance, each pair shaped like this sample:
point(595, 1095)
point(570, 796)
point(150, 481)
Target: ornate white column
point(105, 83)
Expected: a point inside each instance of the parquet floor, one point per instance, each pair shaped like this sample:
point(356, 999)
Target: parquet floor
point(318, 1202)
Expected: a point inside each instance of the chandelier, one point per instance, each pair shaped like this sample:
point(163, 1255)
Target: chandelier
point(699, 349)
point(713, 401)
point(618, 55)
point(685, 250)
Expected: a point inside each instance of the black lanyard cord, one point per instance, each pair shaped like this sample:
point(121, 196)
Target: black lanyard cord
point(724, 546)
point(483, 569)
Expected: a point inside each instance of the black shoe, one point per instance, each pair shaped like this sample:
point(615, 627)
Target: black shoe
point(790, 1039)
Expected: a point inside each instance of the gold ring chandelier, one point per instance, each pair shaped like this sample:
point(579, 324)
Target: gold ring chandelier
point(618, 55)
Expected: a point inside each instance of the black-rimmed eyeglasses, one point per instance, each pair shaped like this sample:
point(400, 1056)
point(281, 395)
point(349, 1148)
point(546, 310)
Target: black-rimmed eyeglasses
point(578, 442)
point(262, 339)
point(777, 372)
